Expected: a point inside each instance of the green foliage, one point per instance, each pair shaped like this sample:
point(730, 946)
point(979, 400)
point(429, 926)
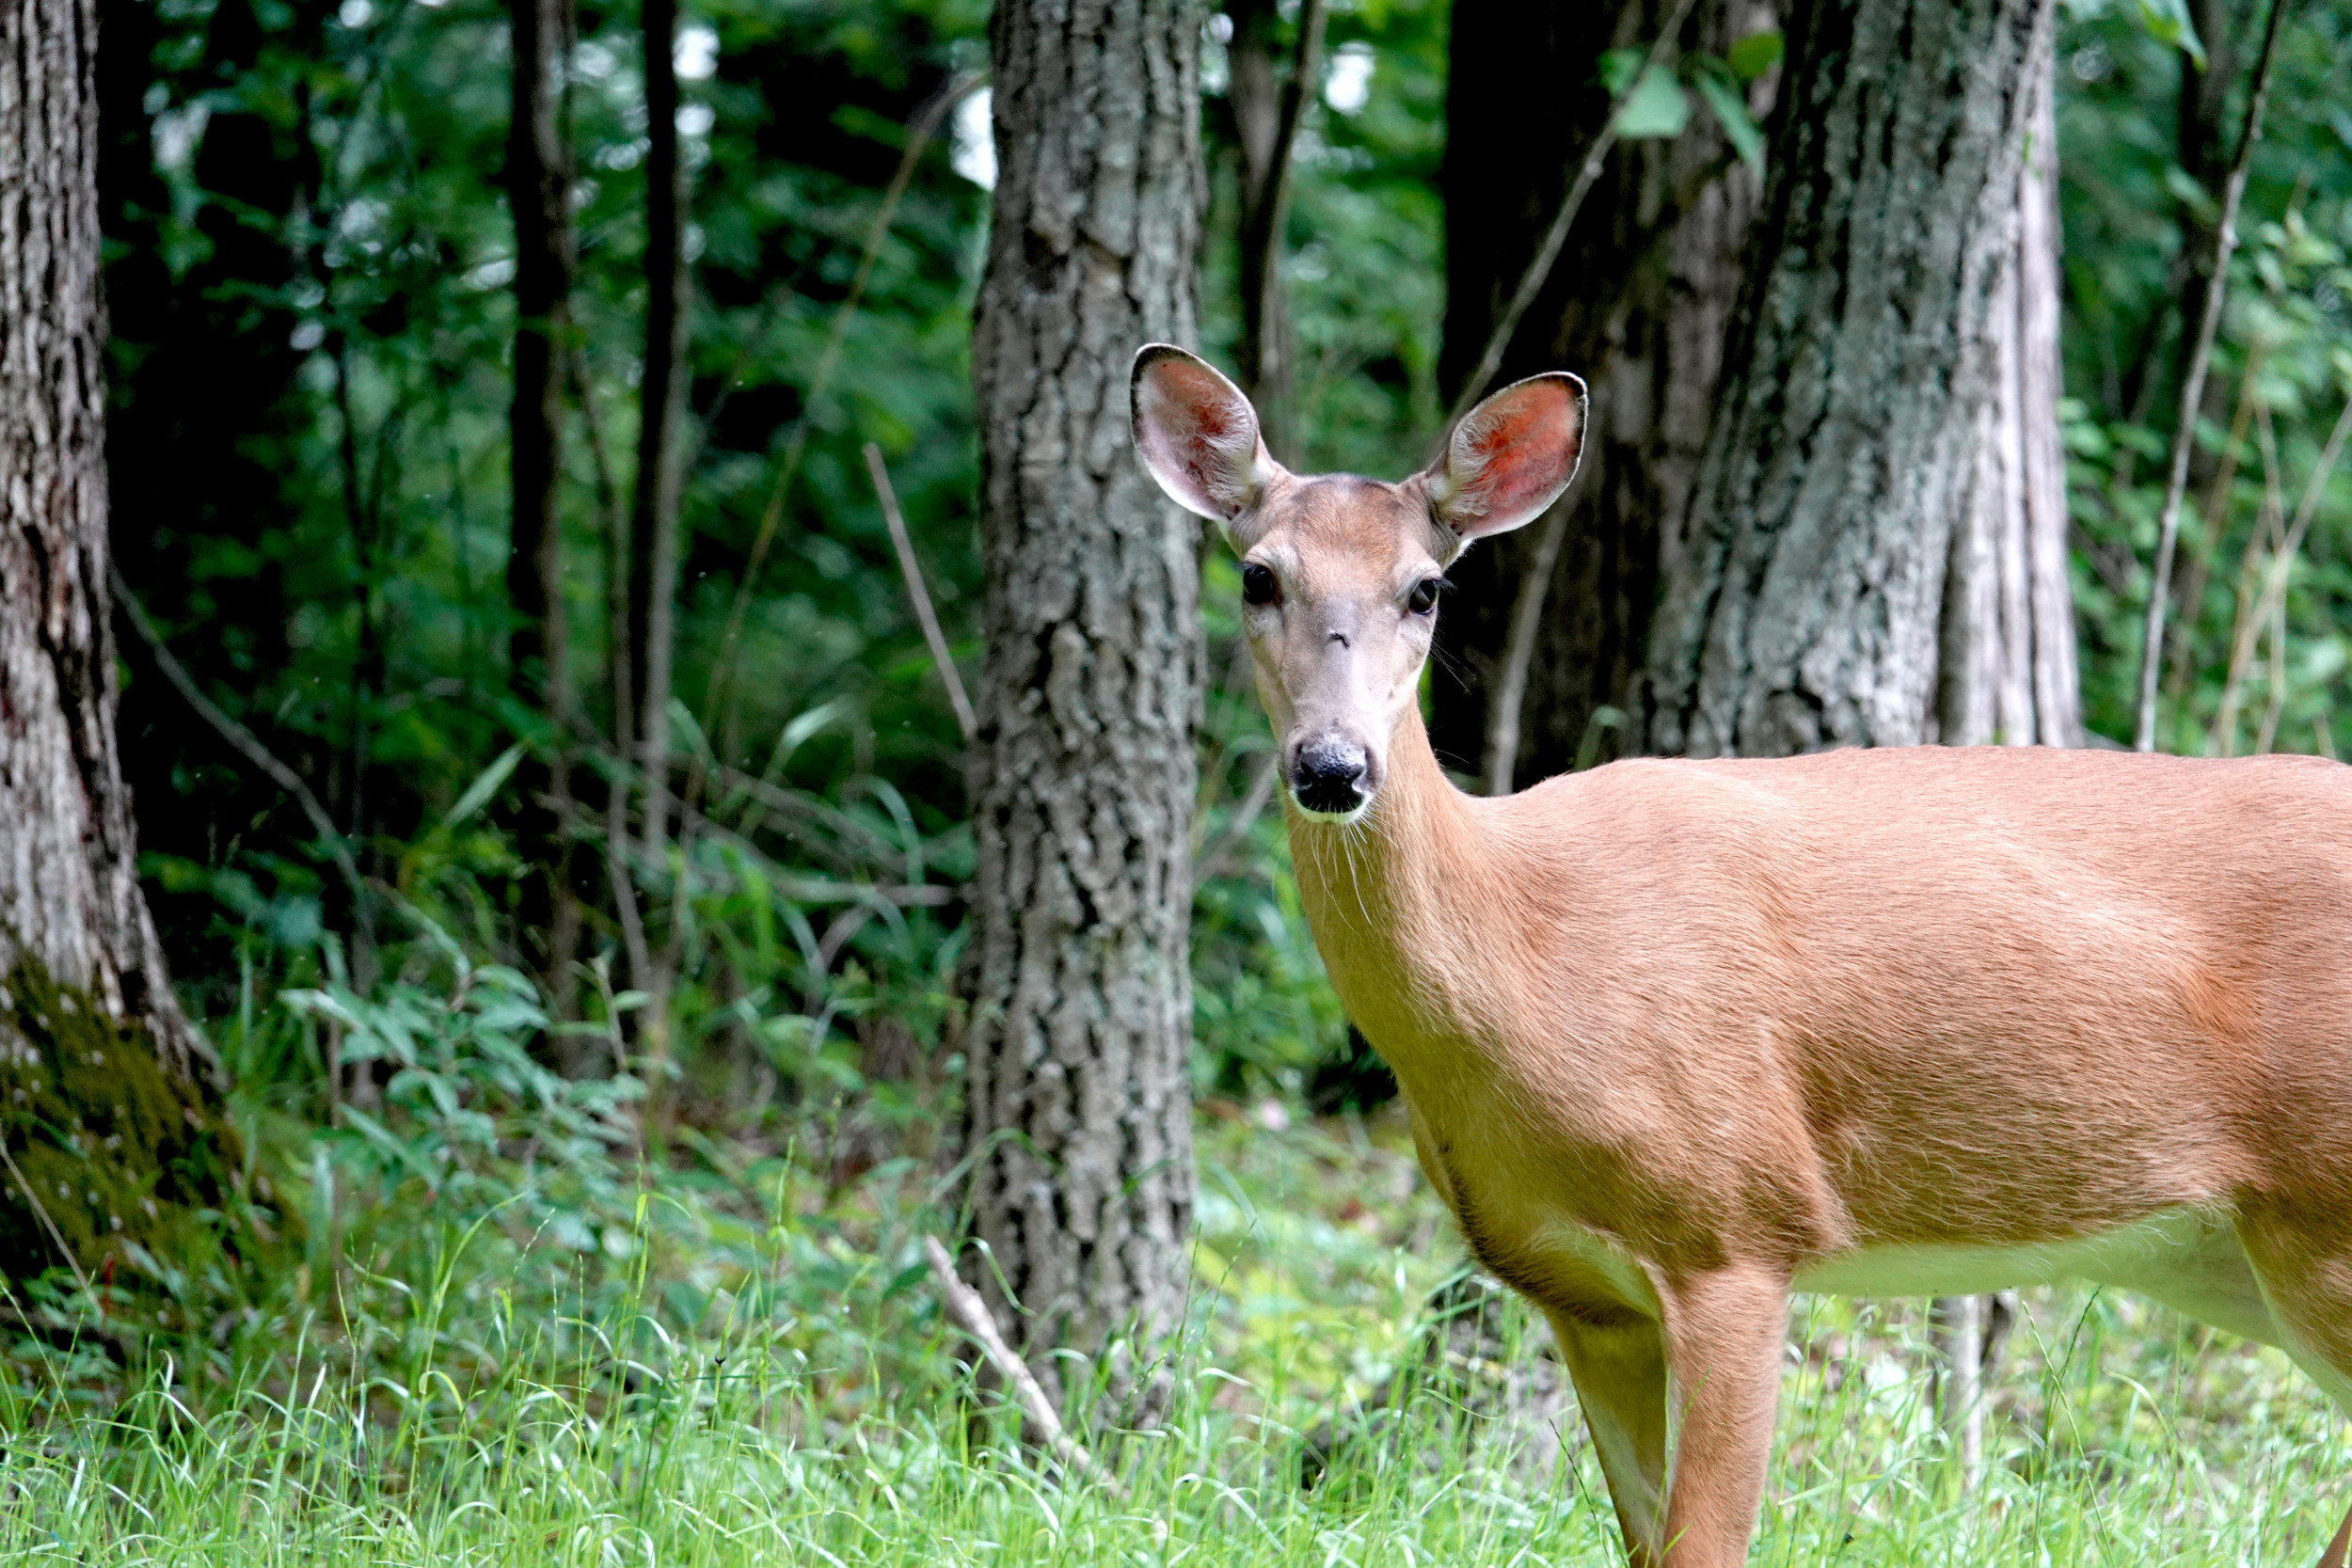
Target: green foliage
point(460, 1085)
point(2282, 373)
point(1656, 105)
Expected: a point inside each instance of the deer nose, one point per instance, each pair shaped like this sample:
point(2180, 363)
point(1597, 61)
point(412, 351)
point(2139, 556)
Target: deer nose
point(1327, 777)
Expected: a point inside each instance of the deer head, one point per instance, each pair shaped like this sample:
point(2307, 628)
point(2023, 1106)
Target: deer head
point(1341, 574)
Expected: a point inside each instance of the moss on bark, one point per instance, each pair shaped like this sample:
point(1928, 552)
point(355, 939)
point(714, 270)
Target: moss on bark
point(112, 1159)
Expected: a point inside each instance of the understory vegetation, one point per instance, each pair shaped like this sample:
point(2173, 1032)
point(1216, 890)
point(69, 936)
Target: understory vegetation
point(733, 1357)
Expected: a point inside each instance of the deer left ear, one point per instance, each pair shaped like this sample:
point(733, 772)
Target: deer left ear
point(1510, 457)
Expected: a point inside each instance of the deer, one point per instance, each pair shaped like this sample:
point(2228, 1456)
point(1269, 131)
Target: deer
point(1677, 1038)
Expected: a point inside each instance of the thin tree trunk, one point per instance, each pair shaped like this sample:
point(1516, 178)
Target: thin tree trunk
point(2202, 129)
point(1267, 112)
point(538, 182)
point(653, 542)
point(1077, 1117)
point(1871, 359)
point(1637, 303)
point(2009, 674)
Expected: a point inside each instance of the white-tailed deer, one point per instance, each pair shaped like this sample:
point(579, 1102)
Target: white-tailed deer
point(1680, 1037)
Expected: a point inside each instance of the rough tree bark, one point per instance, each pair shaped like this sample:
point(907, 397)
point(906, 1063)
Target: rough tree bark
point(1876, 547)
point(103, 1083)
point(69, 887)
point(538, 184)
point(1076, 1107)
point(1637, 303)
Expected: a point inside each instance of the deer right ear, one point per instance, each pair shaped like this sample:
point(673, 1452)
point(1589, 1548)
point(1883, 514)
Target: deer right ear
point(1198, 435)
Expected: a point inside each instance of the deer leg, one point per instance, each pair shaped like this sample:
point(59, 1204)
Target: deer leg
point(1724, 1334)
point(2334, 1556)
point(2304, 1261)
point(1620, 1370)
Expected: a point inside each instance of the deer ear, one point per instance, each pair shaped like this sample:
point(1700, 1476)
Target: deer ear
point(1198, 435)
point(1510, 457)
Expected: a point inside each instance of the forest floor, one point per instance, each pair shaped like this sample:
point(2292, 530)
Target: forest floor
point(651, 1435)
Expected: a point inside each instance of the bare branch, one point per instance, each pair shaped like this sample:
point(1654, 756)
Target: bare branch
point(1539, 268)
point(2193, 390)
point(919, 133)
point(241, 739)
point(1519, 652)
point(1211, 860)
point(911, 570)
point(47, 1223)
point(2269, 604)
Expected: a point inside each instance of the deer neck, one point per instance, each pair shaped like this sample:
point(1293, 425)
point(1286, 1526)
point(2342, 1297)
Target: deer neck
point(1406, 906)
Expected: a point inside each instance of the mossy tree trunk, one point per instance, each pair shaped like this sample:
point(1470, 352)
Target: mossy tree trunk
point(1076, 1103)
point(98, 1063)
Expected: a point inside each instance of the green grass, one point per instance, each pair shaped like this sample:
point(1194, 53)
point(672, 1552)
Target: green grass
point(478, 1430)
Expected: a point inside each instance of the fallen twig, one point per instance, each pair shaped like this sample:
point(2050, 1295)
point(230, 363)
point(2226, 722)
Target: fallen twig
point(968, 1312)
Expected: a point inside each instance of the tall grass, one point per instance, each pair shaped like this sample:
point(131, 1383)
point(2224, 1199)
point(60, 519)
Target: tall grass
point(485, 1427)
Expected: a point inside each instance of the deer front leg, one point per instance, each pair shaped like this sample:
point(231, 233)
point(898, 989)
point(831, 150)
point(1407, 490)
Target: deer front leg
point(1723, 1334)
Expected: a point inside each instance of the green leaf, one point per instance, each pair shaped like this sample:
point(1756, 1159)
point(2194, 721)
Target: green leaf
point(1755, 55)
point(1731, 110)
point(2191, 195)
point(1657, 106)
point(2167, 22)
point(1617, 69)
point(478, 793)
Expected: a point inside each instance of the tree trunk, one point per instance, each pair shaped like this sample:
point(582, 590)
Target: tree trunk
point(100, 1086)
point(538, 182)
point(660, 395)
point(2009, 674)
point(652, 541)
point(1876, 550)
point(1076, 1106)
point(1637, 303)
point(1267, 110)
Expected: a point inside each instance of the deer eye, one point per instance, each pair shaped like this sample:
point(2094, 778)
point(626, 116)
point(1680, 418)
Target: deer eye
point(1258, 585)
point(1423, 599)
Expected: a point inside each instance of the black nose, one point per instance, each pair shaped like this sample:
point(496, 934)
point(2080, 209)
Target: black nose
point(1327, 774)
